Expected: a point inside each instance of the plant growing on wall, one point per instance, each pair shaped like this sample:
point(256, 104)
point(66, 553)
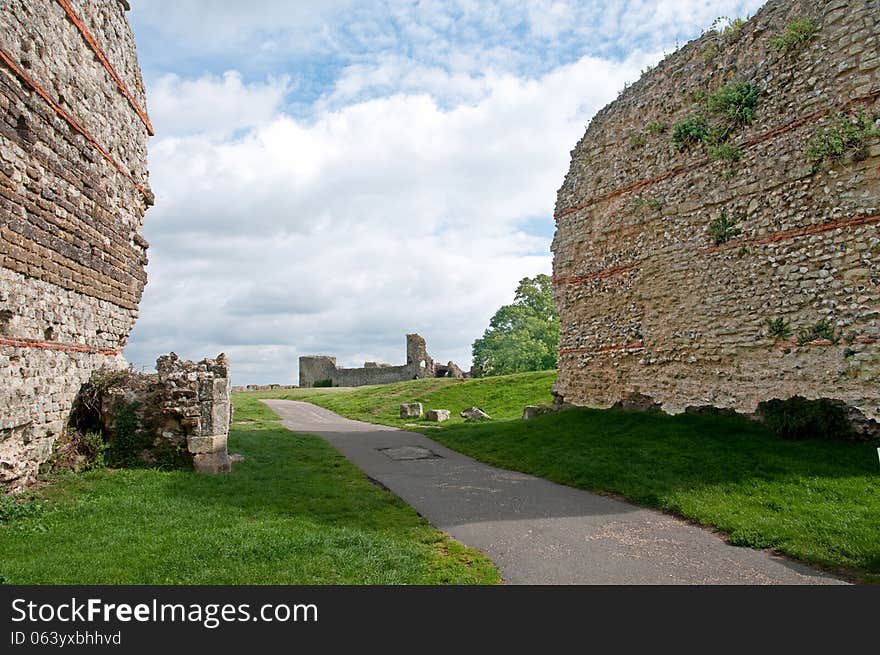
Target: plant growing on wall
point(710, 52)
point(823, 329)
point(729, 108)
point(723, 229)
point(729, 152)
point(798, 33)
point(637, 140)
point(778, 328)
point(726, 31)
point(690, 131)
point(641, 204)
point(847, 137)
point(735, 102)
point(727, 27)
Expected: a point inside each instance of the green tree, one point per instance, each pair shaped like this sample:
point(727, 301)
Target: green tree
point(523, 336)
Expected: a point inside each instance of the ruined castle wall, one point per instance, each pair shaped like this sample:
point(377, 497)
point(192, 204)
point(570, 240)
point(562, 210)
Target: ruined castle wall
point(649, 303)
point(320, 369)
point(315, 370)
point(73, 192)
point(359, 377)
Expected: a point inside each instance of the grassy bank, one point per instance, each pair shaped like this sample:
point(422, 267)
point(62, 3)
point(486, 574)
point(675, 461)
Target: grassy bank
point(814, 500)
point(294, 512)
point(502, 397)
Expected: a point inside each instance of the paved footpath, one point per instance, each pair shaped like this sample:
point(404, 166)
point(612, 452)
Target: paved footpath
point(538, 532)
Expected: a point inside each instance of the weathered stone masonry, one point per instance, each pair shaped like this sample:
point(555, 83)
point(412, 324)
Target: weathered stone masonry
point(649, 304)
point(184, 409)
point(73, 192)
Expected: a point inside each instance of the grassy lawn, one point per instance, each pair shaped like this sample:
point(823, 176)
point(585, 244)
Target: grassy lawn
point(295, 512)
point(814, 500)
point(501, 397)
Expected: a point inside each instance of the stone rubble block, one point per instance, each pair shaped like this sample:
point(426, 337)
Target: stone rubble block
point(202, 445)
point(411, 410)
point(212, 463)
point(533, 411)
point(475, 414)
point(438, 415)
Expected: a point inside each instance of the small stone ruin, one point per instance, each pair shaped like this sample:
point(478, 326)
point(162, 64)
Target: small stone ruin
point(411, 410)
point(179, 416)
point(438, 415)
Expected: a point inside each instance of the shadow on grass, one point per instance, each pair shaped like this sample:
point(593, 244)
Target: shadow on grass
point(657, 453)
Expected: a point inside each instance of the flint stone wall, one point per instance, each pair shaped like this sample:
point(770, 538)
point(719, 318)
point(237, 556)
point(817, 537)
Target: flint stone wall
point(649, 304)
point(73, 192)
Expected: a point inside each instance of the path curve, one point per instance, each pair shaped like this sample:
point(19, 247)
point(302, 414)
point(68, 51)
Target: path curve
point(536, 531)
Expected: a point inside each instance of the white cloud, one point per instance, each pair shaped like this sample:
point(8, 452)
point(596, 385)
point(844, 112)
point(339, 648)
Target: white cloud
point(393, 198)
point(340, 235)
point(217, 105)
point(459, 35)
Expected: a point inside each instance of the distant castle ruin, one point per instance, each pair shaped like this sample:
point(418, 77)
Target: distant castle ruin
point(717, 233)
point(321, 371)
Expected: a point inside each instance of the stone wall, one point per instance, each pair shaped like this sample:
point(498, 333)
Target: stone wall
point(73, 192)
point(177, 417)
point(651, 301)
point(196, 405)
point(322, 369)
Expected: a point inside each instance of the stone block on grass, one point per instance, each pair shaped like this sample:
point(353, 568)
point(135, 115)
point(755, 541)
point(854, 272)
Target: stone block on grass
point(475, 414)
point(411, 410)
point(438, 415)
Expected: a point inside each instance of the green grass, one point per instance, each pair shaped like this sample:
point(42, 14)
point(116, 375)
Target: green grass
point(502, 397)
point(818, 501)
point(294, 512)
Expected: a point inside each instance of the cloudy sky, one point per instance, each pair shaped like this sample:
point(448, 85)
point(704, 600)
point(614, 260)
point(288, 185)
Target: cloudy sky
point(331, 175)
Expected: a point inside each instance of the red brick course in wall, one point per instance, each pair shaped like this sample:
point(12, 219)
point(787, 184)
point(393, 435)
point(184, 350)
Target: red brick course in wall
point(649, 304)
point(99, 53)
point(6, 58)
point(73, 193)
point(60, 347)
point(705, 161)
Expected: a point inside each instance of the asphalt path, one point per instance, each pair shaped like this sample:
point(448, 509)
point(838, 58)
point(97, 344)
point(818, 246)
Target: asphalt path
point(536, 531)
